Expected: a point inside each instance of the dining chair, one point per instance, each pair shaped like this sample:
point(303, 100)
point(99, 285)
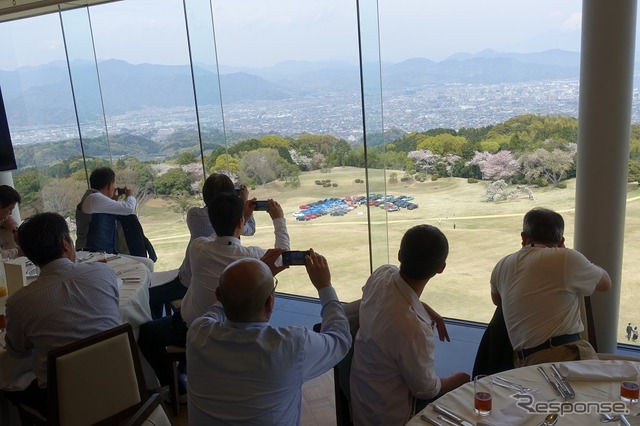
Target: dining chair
point(96, 380)
point(175, 355)
point(150, 414)
point(342, 370)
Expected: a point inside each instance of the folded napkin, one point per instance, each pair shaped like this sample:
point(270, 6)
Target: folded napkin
point(599, 371)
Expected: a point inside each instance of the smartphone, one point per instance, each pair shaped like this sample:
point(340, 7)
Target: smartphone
point(261, 205)
point(121, 191)
point(294, 257)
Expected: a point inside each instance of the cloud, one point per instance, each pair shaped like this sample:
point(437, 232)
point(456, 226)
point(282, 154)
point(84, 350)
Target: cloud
point(573, 22)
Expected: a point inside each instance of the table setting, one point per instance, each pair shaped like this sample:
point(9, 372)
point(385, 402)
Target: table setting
point(589, 392)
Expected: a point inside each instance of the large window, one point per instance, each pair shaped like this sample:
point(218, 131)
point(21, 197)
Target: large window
point(361, 123)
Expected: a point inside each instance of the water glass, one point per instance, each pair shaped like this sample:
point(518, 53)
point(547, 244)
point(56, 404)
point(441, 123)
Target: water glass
point(629, 392)
point(483, 393)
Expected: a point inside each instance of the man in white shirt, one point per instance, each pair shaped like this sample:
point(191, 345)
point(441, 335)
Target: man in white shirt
point(199, 225)
point(539, 288)
point(96, 228)
point(393, 361)
point(243, 370)
point(67, 302)
point(209, 256)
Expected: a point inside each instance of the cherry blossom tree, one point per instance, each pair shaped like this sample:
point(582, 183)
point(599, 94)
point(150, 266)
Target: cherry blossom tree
point(425, 160)
point(501, 165)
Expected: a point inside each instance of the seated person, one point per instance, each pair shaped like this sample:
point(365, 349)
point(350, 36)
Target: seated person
point(67, 302)
point(96, 213)
point(393, 360)
point(199, 226)
point(209, 256)
point(539, 288)
point(9, 198)
point(245, 371)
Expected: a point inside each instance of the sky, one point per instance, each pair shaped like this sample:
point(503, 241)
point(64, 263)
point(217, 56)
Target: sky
point(258, 33)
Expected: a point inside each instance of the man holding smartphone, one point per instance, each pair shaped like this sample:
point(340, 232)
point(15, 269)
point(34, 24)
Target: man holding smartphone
point(208, 258)
point(97, 212)
point(262, 366)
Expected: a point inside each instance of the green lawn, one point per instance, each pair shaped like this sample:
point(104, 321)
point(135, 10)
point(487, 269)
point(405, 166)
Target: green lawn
point(484, 232)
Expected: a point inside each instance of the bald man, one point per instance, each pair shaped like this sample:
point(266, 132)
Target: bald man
point(242, 370)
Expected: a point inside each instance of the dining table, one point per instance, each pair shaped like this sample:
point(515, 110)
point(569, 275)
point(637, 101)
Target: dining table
point(134, 276)
point(524, 397)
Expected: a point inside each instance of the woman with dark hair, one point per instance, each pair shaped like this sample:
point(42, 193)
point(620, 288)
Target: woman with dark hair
point(9, 198)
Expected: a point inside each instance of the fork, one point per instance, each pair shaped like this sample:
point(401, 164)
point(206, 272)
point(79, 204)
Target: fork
point(516, 386)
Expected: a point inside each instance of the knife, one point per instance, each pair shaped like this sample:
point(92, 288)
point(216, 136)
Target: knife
point(431, 421)
point(553, 384)
point(624, 420)
point(440, 409)
point(565, 387)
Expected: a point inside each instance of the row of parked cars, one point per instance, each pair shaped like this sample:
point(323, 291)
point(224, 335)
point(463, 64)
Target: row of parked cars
point(341, 206)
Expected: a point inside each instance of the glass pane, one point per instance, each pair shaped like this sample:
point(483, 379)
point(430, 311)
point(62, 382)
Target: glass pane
point(456, 84)
point(374, 131)
point(37, 94)
point(290, 86)
point(85, 83)
point(143, 59)
point(204, 68)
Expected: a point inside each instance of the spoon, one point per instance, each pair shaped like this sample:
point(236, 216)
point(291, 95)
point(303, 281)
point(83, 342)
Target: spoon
point(550, 420)
point(604, 418)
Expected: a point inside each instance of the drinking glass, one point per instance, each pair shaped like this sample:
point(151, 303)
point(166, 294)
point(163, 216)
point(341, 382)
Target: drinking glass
point(629, 392)
point(482, 395)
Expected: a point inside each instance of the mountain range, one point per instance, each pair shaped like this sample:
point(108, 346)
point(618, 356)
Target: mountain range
point(37, 96)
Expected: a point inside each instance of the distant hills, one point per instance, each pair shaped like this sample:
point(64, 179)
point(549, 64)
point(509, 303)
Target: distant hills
point(37, 96)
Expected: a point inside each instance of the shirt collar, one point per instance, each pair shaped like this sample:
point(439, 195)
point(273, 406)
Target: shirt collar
point(411, 297)
point(244, 325)
point(228, 241)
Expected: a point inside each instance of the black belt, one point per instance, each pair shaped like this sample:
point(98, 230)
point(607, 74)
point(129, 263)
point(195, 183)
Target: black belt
point(551, 343)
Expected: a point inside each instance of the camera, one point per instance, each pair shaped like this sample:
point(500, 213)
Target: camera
point(261, 205)
point(294, 257)
point(121, 191)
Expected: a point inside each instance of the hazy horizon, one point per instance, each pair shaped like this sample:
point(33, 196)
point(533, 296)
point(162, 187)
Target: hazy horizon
point(259, 33)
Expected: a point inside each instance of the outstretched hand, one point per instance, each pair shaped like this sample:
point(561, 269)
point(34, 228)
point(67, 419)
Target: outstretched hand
point(318, 270)
point(270, 258)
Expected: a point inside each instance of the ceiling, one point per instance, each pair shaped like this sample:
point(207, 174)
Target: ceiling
point(18, 9)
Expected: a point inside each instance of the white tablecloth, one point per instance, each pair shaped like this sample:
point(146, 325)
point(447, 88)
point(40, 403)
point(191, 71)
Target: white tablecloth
point(460, 401)
point(134, 309)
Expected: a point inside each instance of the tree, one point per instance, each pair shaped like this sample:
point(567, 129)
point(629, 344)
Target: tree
point(260, 166)
point(425, 160)
point(62, 196)
point(443, 144)
point(227, 164)
point(186, 157)
point(181, 202)
point(500, 191)
point(551, 166)
point(340, 154)
point(501, 165)
point(173, 181)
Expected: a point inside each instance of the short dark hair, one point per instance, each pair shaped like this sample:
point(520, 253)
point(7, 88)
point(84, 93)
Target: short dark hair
point(8, 196)
point(543, 225)
point(215, 184)
point(423, 252)
point(41, 237)
point(101, 177)
point(225, 210)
